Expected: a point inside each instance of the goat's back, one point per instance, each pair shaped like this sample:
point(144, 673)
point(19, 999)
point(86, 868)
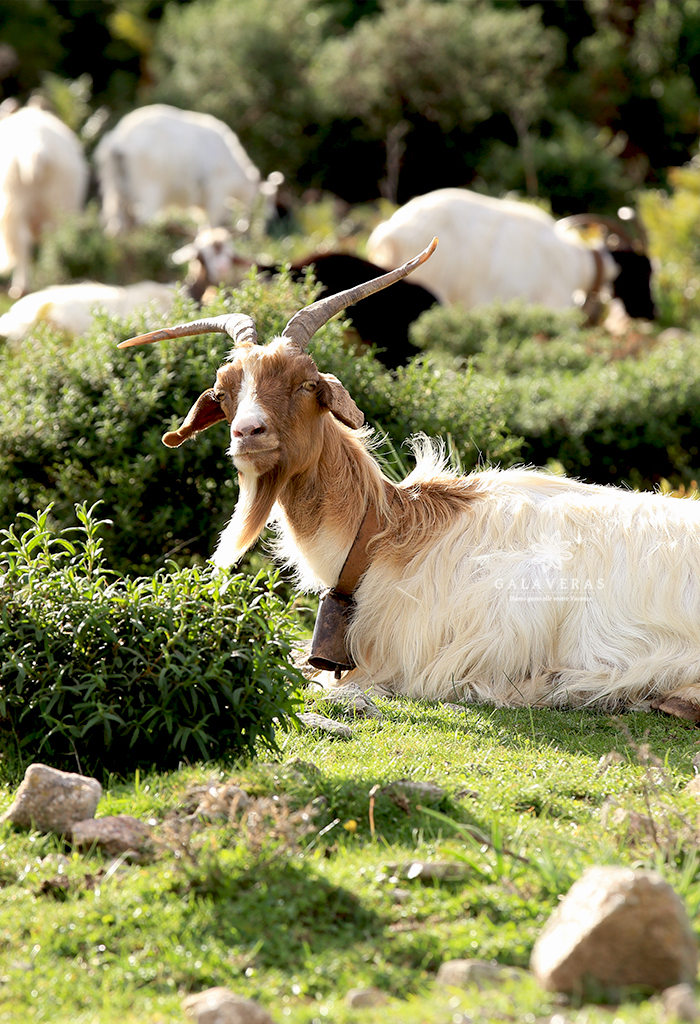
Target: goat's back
point(490, 250)
point(161, 156)
point(543, 591)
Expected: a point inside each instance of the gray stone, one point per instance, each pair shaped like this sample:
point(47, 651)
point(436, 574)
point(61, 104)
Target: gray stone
point(481, 973)
point(616, 927)
point(413, 790)
point(436, 870)
point(679, 1004)
point(363, 997)
point(51, 801)
point(221, 1006)
point(114, 836)
point(353, 700)
point(217, 801)
point(311, 720)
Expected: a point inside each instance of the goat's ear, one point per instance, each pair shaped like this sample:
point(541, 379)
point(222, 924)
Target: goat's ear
point(333, 395)
point(205, 412)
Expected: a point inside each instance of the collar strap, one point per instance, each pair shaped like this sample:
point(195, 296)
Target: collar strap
point(357, 561)
point(599, 274)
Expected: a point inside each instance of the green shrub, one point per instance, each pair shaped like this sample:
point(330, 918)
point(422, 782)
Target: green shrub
point(632, 420)
point(571, 398)
point(78, 249)
point(104, 674)
point(578, 168)
point(672, 222)
point(463, 332)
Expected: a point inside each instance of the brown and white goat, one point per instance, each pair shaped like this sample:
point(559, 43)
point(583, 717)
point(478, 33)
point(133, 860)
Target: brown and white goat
point(513, 587)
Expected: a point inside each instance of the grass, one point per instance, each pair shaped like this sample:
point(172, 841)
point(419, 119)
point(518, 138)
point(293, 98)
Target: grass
point(316, 897)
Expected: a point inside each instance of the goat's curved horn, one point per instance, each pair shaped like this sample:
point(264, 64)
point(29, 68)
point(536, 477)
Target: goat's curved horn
point(238, 326)
point(308, 320)
point(612, 226)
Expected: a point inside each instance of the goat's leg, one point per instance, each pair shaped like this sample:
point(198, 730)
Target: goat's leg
point(684, 703)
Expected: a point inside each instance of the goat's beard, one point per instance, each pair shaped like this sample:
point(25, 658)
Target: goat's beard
point(256, 496)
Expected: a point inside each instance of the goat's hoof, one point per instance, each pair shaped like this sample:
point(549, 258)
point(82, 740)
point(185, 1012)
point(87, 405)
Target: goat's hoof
point(679, 708)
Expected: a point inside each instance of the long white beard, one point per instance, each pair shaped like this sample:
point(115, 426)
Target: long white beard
point(235, 539)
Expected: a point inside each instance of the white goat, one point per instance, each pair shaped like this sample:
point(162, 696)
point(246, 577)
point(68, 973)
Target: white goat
point(159, 156)
point(43, 177)
point(71, 307)
point(513, 587)
point(499, 250)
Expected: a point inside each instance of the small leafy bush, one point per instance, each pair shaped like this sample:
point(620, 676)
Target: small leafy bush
point(464, 332)
point(672, 221)
point(104, 674)
point(78, 249)
point(635, 420)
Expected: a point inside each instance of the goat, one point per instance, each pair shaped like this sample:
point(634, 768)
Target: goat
point(382, 319)
point(498, 250)
point(159, 156)
point(514, 587)
point(70, 307)
point(43, 177)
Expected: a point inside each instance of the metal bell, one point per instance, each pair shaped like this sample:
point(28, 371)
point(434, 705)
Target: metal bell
point(328, 650)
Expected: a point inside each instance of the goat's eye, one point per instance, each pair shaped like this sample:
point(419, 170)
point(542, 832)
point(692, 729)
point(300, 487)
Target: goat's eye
point(217, 396)
point(309, 385)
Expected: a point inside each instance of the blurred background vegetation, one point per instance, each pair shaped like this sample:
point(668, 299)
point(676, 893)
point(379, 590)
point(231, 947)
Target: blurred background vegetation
point(581, 103)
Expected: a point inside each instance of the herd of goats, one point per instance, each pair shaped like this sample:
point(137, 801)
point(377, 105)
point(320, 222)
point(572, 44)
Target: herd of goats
point(515, 587)
point(159, 157)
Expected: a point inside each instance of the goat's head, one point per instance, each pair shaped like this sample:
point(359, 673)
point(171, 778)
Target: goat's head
point(273, 396)
point(211, 257)
point(631, 282)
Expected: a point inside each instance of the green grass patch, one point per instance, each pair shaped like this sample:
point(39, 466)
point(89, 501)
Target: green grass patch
point(315, 896)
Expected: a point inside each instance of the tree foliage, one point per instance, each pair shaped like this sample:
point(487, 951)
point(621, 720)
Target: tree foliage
point(255, 75)
point(579, 103)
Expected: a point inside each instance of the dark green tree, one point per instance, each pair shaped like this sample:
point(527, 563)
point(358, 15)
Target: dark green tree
point(248, 64)
point(451, 63)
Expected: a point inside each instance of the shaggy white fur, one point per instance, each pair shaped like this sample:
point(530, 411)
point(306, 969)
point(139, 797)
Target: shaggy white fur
point(545, 591)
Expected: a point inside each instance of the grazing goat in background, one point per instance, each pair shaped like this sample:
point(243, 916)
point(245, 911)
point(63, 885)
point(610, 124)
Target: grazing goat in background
point(497, 250)
point(159, 156)
point(43, 177)
point(513, 587)
point(71, 307)
point(382, 319)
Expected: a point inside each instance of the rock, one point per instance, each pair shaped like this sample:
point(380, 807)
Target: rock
point(212, 801)
point(639, 826)
point(437, 870)
point(311, 720)
point(616, 927)
point(221, 1006)
point(693, 786)
point(482, 973)
point(51, 800)
point(679, 1004)
point(410, 790)
point(362, 997)
point(114, 836)
point(353, 700)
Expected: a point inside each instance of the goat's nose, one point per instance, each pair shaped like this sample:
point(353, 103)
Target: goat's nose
point(246, 426)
